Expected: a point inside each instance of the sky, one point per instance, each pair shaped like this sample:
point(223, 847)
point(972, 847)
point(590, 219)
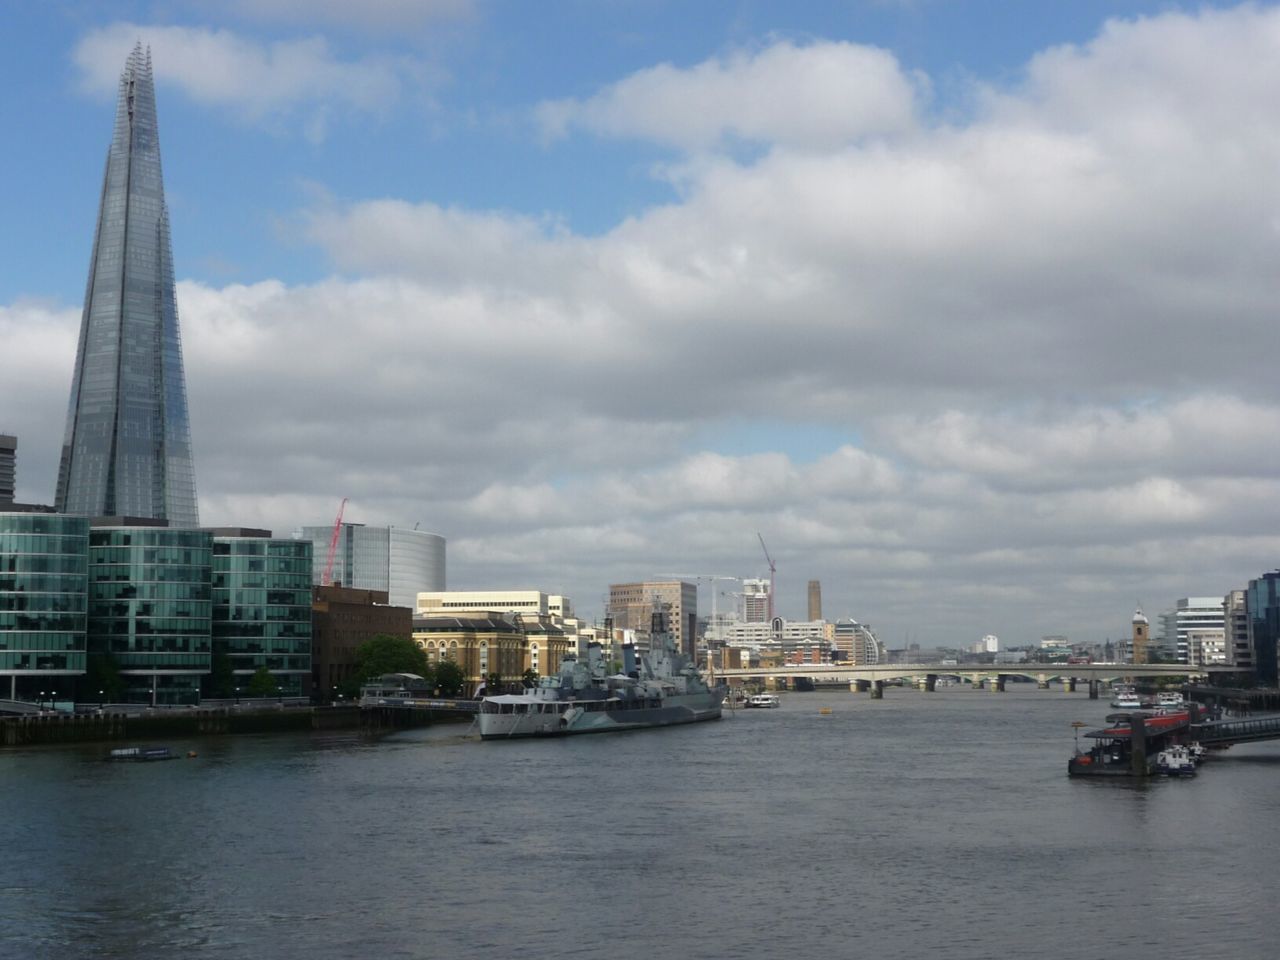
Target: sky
point(962, 306)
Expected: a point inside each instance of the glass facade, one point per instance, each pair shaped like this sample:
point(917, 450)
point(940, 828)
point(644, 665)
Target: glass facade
point(262, 611)
point(127, 447)
point(43, 580)
point(400, 561)
point(150, 608)
point(1262, 605)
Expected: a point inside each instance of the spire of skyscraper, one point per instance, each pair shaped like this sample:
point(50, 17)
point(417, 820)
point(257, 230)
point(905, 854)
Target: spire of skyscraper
point(127, 447)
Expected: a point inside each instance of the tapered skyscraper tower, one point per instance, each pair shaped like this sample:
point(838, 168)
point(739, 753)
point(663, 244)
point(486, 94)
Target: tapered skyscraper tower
point(127, 449)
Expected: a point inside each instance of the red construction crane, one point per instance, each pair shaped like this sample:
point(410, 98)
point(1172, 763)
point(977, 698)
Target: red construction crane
point(333, 546)
point(773, 576)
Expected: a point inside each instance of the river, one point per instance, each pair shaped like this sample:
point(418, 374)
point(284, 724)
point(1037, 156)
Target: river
point(923, 822)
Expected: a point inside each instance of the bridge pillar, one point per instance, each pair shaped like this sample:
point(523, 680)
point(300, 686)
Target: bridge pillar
point(1138, 765)
point(930, 682)
point(877, 689)
point(860, 686)
point(1093, 689)
point(1068, 684)
point(996, 684)
point(1042, 682)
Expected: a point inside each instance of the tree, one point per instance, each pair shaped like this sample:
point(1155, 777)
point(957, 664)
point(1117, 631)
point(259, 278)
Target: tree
point(387, 654)
point(102, 681)
point(493, 683)
point(222, 675)
point(262, 683)
point(449, 678)
point(529, 678)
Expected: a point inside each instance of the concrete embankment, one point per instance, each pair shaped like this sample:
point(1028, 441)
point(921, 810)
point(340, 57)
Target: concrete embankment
point(166, 724)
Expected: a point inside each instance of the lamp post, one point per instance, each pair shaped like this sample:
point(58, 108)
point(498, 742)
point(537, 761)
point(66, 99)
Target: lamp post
point(280, 694)
point(101, 700)
point(237, 694)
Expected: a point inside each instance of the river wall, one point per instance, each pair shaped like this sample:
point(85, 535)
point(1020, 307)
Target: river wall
point(169, 724)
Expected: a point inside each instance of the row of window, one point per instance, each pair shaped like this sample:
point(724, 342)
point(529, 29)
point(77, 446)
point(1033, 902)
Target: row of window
point(150, 591)
point(10, 662)
point(29, 543)
point(43, 602)
point(73, 622)
point(287, 549)
point(42, 641)
point(23, 563)
point(43, 583)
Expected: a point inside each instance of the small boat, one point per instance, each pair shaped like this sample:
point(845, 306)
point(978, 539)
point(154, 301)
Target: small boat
point(764, 701)
point(734, 698)
point(1126, 698)
point(142, 754)
point(1176, 761)
point(1170, 700)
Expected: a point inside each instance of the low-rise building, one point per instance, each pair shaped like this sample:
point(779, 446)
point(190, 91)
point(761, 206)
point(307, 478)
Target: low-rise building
point(342, 618)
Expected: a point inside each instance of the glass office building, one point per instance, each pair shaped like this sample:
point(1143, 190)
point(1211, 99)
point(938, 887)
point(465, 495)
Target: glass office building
point(43, 578)
point(127, 447)
point(1262, 608)
point(150, 608)
point(261, 611)
point(401, 561)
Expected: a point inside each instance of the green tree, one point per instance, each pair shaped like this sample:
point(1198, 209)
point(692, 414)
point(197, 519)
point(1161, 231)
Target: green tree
point(222, 675)
point(449, 678)
point(101, 682)
point(262, 683)
point(529, 678)
point(387, 654)
point(493, 683)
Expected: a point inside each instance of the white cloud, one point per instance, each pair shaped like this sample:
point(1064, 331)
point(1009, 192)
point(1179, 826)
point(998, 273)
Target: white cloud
point(820, 95)
point(255, 80)
point(1035, 344)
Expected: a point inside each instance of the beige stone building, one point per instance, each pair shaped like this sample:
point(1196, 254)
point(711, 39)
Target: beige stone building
point(631, 607)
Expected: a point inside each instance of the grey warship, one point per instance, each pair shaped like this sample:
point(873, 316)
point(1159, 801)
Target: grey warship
point(656, 689)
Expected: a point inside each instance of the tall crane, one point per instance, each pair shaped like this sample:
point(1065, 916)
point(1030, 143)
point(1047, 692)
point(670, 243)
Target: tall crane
point(773, 575)
point(333, 546)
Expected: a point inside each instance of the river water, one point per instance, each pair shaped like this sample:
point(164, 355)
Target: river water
point(923, 822)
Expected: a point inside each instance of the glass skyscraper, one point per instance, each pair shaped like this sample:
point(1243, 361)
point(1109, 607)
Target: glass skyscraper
point(127, 447)
point(261, 611)
point(150, 609)
point(44, 563)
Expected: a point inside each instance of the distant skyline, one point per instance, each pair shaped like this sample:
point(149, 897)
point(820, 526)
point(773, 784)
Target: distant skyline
point(965, 307)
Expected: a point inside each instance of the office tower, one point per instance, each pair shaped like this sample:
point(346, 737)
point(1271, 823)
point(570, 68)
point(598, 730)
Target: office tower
point(1262, 607)
point(127, 447)
point(631, 607)
point(815, 600)
point(261, 612)
point(8, 473)
point(44, 575)
point(755, 600)
point(150, 608)
point(400, 561)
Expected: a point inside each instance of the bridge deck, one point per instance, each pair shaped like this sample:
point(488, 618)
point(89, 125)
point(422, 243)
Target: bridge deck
point(1226, 732)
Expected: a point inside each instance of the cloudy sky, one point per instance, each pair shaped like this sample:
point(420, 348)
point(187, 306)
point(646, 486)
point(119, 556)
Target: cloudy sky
point(965, 306)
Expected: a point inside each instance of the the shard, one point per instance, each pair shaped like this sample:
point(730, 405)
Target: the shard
point(127, 448)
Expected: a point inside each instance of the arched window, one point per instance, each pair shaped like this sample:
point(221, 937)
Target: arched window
point(533, 657)
point(484, 658)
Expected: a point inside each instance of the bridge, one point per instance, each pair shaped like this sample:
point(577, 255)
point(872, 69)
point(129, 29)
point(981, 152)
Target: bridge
point(873, 677)
point(17, 708)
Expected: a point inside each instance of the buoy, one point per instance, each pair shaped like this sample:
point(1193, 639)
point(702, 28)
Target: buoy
point(191, 754)
point(825, 711)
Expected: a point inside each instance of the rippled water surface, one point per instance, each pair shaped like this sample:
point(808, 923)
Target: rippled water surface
point(924, 822)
